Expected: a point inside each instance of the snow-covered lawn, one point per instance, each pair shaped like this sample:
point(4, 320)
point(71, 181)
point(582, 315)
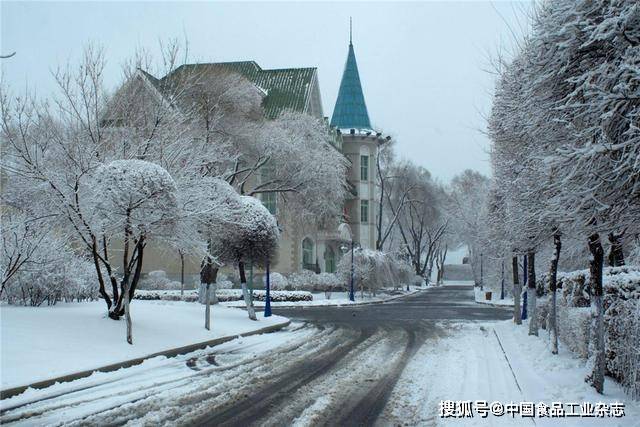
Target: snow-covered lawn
point(337, 298)
point(470, 365)
point(47, 342)
point(495, 297)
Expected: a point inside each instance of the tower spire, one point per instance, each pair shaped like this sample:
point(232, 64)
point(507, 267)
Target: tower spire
point(350, 111)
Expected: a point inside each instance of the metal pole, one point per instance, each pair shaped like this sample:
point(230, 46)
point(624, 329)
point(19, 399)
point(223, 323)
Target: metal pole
point(351, 294)
point(267, 303)
point(502, 281)
point(481, 273)
point(524, 286)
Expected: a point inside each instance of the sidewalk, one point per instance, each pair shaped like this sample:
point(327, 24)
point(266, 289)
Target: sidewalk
point(465, 362)
point(40, 345)
point(480, 297)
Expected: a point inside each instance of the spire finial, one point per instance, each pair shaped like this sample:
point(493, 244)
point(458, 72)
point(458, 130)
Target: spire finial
point(350, 31)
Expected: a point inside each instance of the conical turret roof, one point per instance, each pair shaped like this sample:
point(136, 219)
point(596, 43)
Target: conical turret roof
point(350, 111)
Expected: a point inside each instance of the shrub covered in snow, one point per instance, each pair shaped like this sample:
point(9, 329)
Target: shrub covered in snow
point(259, 295)
point(302, 281)
point(277, 281)
point(312, 282)
point(167, 295)
point(621, 319)
point(57, 275)
point(373, 270)
point(157, 279)
point(223, 282)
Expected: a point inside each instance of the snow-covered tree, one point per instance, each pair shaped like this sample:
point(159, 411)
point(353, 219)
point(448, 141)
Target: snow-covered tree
point(565, 136)
point(250, 236)
point(466, 208)
point(417, 203)
point(133, 201)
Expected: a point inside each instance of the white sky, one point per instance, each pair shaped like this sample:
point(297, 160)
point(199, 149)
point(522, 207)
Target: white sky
point(422, 64)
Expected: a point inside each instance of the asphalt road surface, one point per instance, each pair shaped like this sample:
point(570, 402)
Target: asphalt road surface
point(334, 366)
point(404, 324)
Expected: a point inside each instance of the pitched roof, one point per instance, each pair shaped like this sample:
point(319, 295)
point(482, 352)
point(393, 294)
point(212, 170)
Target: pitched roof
point(350, 111)
point(285, 88)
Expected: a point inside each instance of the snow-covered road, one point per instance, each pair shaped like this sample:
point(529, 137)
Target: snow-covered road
point(333, 366)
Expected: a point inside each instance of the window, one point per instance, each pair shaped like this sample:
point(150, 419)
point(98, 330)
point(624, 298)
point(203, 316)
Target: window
point(364, 168)
point(269, 200)
point(307, 252)
point(364, 211)
point(329, 260)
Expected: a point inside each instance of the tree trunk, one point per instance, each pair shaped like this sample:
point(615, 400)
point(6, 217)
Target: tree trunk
point(96, 263)
point(129, 283)
point(245, 293)
point(616, 255)
point(553, 276)
point(208, 276)
point(531, 293)
point(517, 290)
point(596, 377)
point(127, 315)
point(207, 310)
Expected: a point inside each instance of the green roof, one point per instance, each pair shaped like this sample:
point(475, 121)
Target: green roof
point(285, 88)
point(350, 111)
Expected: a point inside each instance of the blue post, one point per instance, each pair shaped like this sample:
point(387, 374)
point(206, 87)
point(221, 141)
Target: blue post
point(502, 281)
point(352, 296)
point(481, 273)
point(524, 286)
point(267, 302)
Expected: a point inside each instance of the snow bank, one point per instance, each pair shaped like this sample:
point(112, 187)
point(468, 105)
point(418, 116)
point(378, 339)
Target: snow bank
point(621, 318)
point(225, 295)
point(46, 342)
point(334, 298)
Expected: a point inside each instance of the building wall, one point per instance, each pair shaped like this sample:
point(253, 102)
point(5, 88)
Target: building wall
point(354, 147)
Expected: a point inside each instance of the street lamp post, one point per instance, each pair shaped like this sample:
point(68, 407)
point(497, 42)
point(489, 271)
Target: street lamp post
point(481, 273)
point(352, 296)
point(267, 303)
point(502, 281)
point(345, 235)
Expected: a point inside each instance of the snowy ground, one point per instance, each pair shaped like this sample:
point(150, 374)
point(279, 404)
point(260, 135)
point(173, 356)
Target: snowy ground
point(495, 297)
point(47, 342)
point(470, 365)
point(337, 298)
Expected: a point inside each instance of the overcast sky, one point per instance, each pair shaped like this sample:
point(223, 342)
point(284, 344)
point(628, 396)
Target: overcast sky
point(423, 65)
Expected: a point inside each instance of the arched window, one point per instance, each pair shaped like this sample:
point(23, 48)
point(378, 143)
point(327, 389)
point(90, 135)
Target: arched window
point(307, 253)
point(329, 260)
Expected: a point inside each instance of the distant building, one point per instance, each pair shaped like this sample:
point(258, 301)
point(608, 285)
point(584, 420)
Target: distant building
point(308, 247)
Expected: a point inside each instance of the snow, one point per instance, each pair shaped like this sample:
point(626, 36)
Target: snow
point(160, 383)
point(47, 342)
point(495, 297)
point(468, 364)
point(337, 298)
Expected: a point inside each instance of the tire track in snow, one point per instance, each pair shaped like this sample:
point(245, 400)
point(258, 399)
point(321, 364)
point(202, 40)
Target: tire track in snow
point(134, 384)
point(248, 410)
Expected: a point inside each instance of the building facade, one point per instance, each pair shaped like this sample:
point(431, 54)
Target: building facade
point(305, 246)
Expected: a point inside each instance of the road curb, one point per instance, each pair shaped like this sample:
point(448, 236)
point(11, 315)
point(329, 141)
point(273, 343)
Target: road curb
point(14, 391)
point(275, 307)
point(495, 305)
